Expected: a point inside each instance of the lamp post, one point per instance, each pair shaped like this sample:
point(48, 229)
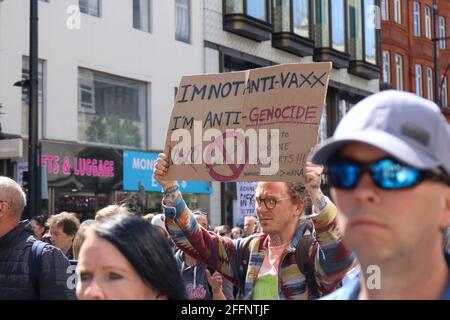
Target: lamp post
point(33, 152)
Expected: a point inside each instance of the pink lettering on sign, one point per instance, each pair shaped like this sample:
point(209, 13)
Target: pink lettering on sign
point(51, 162)
point(93, 167)
point(81, 166)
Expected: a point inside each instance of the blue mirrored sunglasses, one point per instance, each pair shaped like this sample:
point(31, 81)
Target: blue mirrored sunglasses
point(386, 173)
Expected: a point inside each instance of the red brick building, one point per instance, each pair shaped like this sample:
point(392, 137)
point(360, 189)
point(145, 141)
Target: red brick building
point(408, 57)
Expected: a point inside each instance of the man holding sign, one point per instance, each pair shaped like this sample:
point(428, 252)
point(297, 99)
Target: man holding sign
point(264, 265)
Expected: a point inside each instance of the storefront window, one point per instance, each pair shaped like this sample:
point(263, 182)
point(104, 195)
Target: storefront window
point(111, 109)
point(83, 204)
point(152, 201)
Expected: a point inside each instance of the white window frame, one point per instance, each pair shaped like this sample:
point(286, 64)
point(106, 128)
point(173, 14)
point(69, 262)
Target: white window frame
point(385, 10)
point(147, 27)
point(91, 12)
point(416, 18)
point(427, 22)
point(419, 84)
point(430, 84)
point(398, 11)
point(399, 71)
point(189, 8)
point(86, 86)
point(442, 44)
point(386, 67)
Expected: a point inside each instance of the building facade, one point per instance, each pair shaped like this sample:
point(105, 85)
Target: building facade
point(108, 72)
point(408, 32)
point(246, 34)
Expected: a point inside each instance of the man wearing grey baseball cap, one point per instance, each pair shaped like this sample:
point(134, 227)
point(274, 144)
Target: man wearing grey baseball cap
point(388, 164)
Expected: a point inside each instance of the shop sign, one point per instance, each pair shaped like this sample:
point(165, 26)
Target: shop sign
point(138, 168)
point(82, 167)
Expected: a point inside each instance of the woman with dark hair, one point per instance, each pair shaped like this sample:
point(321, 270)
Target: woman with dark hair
point(126, 258)
point(39, 227)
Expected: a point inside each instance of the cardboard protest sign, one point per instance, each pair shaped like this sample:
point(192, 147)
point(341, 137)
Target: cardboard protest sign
point(245, 196)
point(254, 125)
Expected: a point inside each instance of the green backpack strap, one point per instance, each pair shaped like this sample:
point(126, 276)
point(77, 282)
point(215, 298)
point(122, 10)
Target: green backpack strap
point(302, 258)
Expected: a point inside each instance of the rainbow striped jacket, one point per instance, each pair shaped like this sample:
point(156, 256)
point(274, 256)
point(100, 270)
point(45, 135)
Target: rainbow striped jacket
point(240, 260)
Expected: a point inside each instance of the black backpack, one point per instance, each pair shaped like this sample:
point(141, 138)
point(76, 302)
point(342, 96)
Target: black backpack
point(302, 258)
point(34, 264)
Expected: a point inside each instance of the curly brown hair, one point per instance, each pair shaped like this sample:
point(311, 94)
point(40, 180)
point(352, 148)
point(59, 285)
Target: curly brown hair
point(297, 191)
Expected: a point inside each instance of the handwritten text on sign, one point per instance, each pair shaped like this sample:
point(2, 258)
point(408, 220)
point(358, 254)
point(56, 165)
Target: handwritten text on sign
point(247, 126)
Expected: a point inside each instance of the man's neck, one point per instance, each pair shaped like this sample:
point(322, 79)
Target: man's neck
point(419, 278)
point(283, 237)
point(6, 226)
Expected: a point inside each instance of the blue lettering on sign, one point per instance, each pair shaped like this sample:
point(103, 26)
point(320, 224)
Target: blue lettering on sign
point(138, 167)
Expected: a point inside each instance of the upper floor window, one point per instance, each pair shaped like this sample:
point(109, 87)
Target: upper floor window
point(444, 94)
point(111, 109)
point(430, 83)
point(338, 25)
point(385, 9)
point(183, 20)
point(416, 9)
point(291, 16)
point(142, 15)
point(427, 22)
point(442, 32)
point(90, 7)
point(399, 71)
point(370, 48)
point(301, 17)
point(398, 11)
point(362, 37)
point(257, 9)
point(419, 91)
point(322, 23)
point(386, 67)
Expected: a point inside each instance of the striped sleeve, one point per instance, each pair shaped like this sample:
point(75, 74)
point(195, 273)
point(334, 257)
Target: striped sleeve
point(330, 257)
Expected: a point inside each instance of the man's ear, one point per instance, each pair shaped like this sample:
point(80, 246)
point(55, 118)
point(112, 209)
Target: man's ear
point(2, 210)
point(300, 208)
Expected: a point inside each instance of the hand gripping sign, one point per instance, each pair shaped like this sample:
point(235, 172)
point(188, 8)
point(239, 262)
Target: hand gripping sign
point(255, 125)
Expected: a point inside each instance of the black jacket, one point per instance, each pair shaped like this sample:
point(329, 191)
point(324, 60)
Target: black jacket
point(15, 280)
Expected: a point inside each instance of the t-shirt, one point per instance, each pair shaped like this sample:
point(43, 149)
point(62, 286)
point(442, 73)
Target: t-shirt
point(266, 287)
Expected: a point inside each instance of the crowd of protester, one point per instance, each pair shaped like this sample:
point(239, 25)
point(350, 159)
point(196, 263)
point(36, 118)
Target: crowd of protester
point(388, 165)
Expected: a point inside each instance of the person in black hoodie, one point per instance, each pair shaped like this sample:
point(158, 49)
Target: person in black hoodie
point(16, 240)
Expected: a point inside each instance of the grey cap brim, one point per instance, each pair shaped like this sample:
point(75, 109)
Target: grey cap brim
point(391, 144)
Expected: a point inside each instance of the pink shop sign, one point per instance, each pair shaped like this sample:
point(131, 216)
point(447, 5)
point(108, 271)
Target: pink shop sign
point(78, 166)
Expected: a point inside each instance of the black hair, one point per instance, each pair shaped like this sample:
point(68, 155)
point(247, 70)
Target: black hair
point(40, 220)
point(147, 251)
